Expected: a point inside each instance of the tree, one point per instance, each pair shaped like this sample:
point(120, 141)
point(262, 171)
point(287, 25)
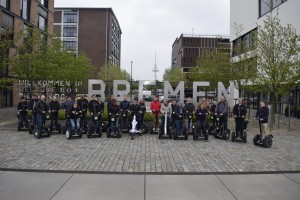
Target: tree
point(174, 74)
point(113, 72)
point(5, 45)
point(278, 59)
point(40, 56)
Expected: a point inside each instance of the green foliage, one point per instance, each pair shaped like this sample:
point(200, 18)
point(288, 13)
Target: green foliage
point(278, 57)
point(174, 74)
point(42, 57)
point(113, 72)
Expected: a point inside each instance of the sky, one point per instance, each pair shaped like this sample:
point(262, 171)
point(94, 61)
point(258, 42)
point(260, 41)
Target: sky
point(150, 26)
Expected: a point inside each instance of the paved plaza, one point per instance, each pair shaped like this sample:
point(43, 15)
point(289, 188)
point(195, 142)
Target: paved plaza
point(20, 150)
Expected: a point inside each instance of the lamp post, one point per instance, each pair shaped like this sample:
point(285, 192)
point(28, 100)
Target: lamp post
point(131, 80)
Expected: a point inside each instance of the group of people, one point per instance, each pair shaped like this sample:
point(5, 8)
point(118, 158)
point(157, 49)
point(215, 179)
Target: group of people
point(174, 112)
point(177, 111)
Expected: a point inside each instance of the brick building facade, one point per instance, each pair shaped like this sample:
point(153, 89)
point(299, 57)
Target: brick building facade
point(93, 31)
point(16, 15)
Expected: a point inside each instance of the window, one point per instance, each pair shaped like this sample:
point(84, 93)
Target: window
point(70, 16)
point(70, 44)
point(5, 3)
point(7, 21)
point(44, 3)
point(70, 31)
point(42, 23)
point(25, 9)
point(266, 6)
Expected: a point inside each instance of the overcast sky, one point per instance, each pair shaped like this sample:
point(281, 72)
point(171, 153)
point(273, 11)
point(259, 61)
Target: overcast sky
point(149, 25)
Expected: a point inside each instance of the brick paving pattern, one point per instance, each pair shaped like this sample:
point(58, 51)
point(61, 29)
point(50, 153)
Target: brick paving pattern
point(19, 150)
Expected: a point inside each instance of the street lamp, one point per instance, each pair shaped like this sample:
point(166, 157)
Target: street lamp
point(131, 80)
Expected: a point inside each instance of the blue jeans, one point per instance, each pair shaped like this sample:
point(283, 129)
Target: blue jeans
point(74, 122)
point(54, 119)
point(201, 122)
point(96, 122)
point(178, 124)
point(116, 123)
point(40, 121)
point(189, 123)
point(225, 122)
point(34, 118)
point(23, 117)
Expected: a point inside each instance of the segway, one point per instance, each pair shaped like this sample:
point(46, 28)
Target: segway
point(134, 131)
point(67, 124)
point(220, 133)
point(241, 135)
point(83, 125)
point(165, 131)
point(56, 127)
point(183, 134)
point(155, 130)
point(33, 124)
point(124, 116)
point(22, 125)
point(212, 128)
point(112, 130)
point(189, 116)
point(266, 142)
point(95, 129)
point(77, 133)
point(45, 132)
point(201, 132)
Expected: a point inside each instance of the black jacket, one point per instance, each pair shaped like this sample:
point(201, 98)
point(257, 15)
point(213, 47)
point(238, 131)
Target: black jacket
point(95, 106)
point(32, 105)
point(143, 107)
point(83, 104)
point(201, 114)
point(263, 113)
point(239, 110)
point(114, 110)
point(135, 108)
point(42, 106)
point(54, 106)
point(76, 113)
point(190, 107)
point(23, 106)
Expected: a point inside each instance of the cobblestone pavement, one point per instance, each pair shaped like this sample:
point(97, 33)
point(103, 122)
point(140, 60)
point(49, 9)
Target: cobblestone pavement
point(20, 150)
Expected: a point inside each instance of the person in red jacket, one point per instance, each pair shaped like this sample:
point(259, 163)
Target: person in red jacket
point(155, 108)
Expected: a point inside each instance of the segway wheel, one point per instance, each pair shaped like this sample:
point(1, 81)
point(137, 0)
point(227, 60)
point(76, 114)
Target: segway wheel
point(19, 127)
point(206, 135)
point(194, 136)
point(159, 136)
point(268, 141)
point(80, 133)
point(256, 139)
point(119, 134)
point(47, 131)
point(64, 130)
point(216, 133)
point(89, 134)
point(31, 129)
point(68, 134)
point(233, 136)
point(186, 136)
point(37, 134)
point(245, 137)
point(227, 135)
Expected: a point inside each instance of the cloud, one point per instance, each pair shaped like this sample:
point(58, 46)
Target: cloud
point(154, 25)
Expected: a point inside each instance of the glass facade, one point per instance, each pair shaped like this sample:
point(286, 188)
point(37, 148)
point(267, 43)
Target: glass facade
point(5, 3)
point(266, 6)
point(70, 29)
point(25, 9)
point(244, 43)
point(115, 43)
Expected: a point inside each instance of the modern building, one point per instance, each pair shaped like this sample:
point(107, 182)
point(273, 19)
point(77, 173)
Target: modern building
point(250, 14)
point(188, 48)
point(93, 31)
point(17, 15)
